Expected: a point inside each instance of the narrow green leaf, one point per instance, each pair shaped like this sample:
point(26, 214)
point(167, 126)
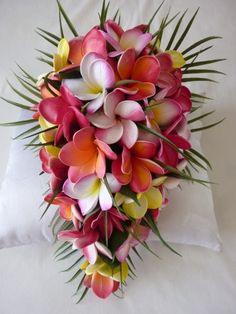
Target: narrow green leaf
point(42, 131)
point(49, 55)
point(73, 265)
point(137, 253)
point(200, 63)
point(68, 21)
point(50, 63)
point(185, 32)
point(66, 249)
point(199, 155)
point(160, 31)
point(74, 276)
point(61, 247)
point(54, 43)
point(200, 42)
point(180, 174)
point(153, 16)
point(198, 79)
point(193, 109)
point(39, 144)
point(197, 53)
point(27, 132)
point(68, 255)
point(80, 285)
point(30, 77)
point(207, 126)
point(116, 15)
point(27, 86)
point(60, 23)
point(131, 262)
point(49, 34)
point(199, 71)
point(175, 31)
point(151, 223)
point(32, 101)
point(54, 194)
point(201, 117)
point(83, 295)
point(16, 104)
point(16, 123)
point(195, 95)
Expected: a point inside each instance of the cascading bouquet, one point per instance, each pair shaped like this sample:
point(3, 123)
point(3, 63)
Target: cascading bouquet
point(112, 129)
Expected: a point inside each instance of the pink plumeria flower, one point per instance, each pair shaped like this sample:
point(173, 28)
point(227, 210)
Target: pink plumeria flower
point(133, 38)
point(140, 233)
point(90, 190)
point(87, 242)
point(116, 122)
point(97, 77)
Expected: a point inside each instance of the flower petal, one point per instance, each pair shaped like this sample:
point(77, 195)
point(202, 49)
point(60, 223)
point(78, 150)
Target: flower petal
point(53, 109)
point(101, 74)
point(144, 90)
point(100, 120)
point(126, 63)
point(144, 149)
point(154, 198)
point(130, 133)
point(166, 112)
point(146, 69)
point(90, 253)
point(96, 103)
point(103, 249)
point(88, 204)
point(123, 178)
point(134, 210)
point(105, 149)
point(113, 183)
point(105, 199)
point(102, 286)
point(94, 42)
point(130, 110)
point(111, 101)
point(141, 177)
point(87, 186)
point(110, 135)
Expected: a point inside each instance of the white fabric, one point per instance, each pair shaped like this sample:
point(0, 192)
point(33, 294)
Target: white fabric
point(201, 281)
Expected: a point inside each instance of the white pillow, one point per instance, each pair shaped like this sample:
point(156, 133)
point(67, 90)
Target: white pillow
point(189, 218)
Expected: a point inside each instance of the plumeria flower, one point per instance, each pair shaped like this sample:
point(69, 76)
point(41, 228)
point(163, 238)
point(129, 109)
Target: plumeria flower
point(93, 41)
point(140, 233)
point(135, 166)
point(87, 242)
point(116, 121)
point(90, 190)
point(86, 155)
point(114, 219)
point(66, 205)
point(102, 278)
point(52, 165)
point(151, 199)
point(97, 77)
point(145, 70)
point(60, 59)
point(121, 40)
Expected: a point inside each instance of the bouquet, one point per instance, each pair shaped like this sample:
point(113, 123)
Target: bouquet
point(111, 125)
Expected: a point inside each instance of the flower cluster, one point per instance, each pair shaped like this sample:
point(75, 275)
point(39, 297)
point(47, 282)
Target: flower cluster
point(109, 103)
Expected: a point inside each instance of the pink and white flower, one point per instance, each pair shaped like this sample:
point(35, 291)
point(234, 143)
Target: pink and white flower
point(97, 77)
point(90, 190)
point(116, 122)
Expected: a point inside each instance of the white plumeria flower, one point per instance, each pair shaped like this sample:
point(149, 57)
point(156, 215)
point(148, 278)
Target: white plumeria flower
point(97, 76)
point(90, 190)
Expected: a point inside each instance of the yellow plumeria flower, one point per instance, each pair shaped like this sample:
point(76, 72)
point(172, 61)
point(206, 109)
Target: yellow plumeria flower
point(60, 59)
point(119, 273)
point(48, 136)
point(151, 199)
point(177, 58)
